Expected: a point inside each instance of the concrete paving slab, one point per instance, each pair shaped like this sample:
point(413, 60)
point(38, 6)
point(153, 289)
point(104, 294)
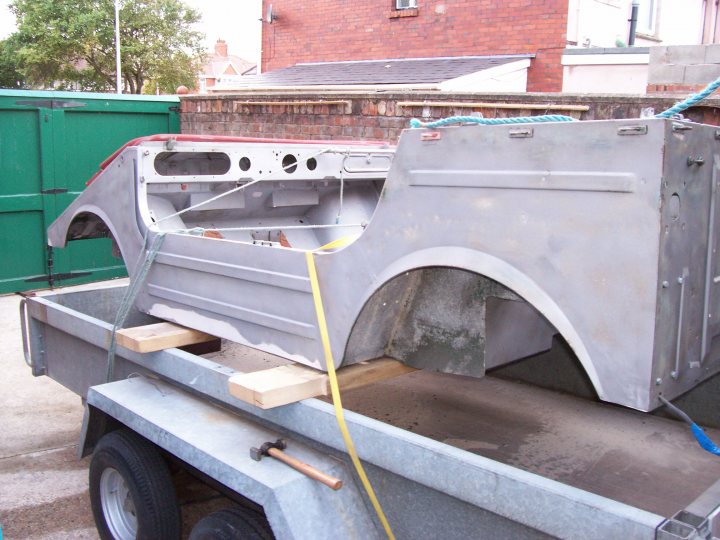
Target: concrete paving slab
point(43, 486)
point(29, 509)
point(40, 423)
point(37, 413)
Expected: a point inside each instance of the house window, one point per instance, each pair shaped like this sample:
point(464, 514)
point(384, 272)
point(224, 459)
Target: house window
point(647, 17)
point(405, 4)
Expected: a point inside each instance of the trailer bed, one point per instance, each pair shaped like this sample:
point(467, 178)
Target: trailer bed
point(643, 460)
point(502, 456)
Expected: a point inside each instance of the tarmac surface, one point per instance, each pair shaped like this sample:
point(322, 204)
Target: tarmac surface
point(43, 485)
point(40, 422)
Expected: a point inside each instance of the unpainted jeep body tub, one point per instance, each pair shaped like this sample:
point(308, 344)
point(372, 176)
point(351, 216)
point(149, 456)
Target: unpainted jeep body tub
point(471, 248)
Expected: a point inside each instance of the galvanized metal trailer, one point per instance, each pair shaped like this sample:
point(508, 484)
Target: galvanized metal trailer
point(180, 403)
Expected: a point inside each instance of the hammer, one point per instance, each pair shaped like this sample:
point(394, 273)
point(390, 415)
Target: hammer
point(275, 450)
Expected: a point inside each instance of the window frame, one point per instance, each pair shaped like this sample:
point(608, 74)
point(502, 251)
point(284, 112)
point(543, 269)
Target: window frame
point(411, 4)
point(647, 13)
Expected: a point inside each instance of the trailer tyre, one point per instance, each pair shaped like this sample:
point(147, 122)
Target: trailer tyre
point(131, 491)
point(232, 524)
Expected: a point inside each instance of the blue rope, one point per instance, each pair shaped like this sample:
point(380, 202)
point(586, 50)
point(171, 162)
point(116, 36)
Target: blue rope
point(702, 439)
point(415, 123)
point(689, 102)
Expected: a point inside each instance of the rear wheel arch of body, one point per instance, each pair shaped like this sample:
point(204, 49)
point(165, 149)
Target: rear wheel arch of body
point(495, 269)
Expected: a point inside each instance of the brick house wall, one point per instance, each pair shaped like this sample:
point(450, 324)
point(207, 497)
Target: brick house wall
point(358, 116)
point(335, 30)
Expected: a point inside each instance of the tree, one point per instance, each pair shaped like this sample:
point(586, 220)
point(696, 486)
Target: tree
point(71, 43)
point(10, 76)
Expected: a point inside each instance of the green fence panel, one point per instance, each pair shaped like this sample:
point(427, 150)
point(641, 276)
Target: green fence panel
point(51, 143)
point(21, 202)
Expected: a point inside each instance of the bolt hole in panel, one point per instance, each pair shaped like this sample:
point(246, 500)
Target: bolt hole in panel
point(674, 207)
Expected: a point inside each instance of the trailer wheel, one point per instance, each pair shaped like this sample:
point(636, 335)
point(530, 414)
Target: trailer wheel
point(232, 524)
point(131, 492)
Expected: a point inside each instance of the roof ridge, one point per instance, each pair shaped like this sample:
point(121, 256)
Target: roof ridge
point(471, 57)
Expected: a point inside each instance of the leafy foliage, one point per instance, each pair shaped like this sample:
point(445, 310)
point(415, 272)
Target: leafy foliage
point(71, 43)
point(10, 77)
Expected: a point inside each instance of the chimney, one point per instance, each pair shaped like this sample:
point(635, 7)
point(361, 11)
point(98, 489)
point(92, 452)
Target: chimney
point(221, 48)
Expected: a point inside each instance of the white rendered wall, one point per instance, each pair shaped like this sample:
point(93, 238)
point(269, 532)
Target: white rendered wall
point(605, 79)
point(599, 23)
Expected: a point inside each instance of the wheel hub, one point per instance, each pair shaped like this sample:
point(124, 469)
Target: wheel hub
point(117, 505)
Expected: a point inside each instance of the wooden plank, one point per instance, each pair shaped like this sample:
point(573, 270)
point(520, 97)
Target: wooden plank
point(368, 372)
point(277, 386)
point(287, 384)
point(156, 337)
point(482, 105)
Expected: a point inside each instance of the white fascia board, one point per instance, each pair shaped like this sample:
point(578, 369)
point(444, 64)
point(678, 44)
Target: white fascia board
point(327, 87)
point(493, 73)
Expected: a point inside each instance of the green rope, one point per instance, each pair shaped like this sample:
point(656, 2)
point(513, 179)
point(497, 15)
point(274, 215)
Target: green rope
point(145, 260)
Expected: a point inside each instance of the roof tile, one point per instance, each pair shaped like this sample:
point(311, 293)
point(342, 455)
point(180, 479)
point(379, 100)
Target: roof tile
point(396, 71)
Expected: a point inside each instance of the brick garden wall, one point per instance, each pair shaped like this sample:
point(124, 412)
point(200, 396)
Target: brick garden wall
point(336, 30)
point(383, 116)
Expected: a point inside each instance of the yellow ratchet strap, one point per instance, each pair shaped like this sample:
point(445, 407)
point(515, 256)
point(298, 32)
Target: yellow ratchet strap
point(335, 391)
point(338, 243)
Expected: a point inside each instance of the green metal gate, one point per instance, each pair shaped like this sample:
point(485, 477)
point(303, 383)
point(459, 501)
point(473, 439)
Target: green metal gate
point(51, 143)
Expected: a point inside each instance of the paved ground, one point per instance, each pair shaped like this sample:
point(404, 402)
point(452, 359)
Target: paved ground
point(43, 486)
point(40, 425)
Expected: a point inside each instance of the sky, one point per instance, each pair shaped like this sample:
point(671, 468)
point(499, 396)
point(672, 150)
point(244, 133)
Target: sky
point(235, 21)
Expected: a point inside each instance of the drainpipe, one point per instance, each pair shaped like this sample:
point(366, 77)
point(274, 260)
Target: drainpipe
point(633, 22)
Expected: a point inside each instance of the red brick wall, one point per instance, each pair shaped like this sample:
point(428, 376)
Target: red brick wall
point(335, 30)
point(672, 88)
point(383, 116)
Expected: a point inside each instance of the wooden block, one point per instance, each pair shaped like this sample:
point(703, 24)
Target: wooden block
point(287, 384)
point(156, 337)
point(278, 386)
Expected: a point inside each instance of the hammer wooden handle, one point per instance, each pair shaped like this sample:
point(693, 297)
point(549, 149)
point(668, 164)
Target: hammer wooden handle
point(307, 470)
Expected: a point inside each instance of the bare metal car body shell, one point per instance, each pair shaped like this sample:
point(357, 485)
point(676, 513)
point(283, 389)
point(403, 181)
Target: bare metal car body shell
point(604, 232)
